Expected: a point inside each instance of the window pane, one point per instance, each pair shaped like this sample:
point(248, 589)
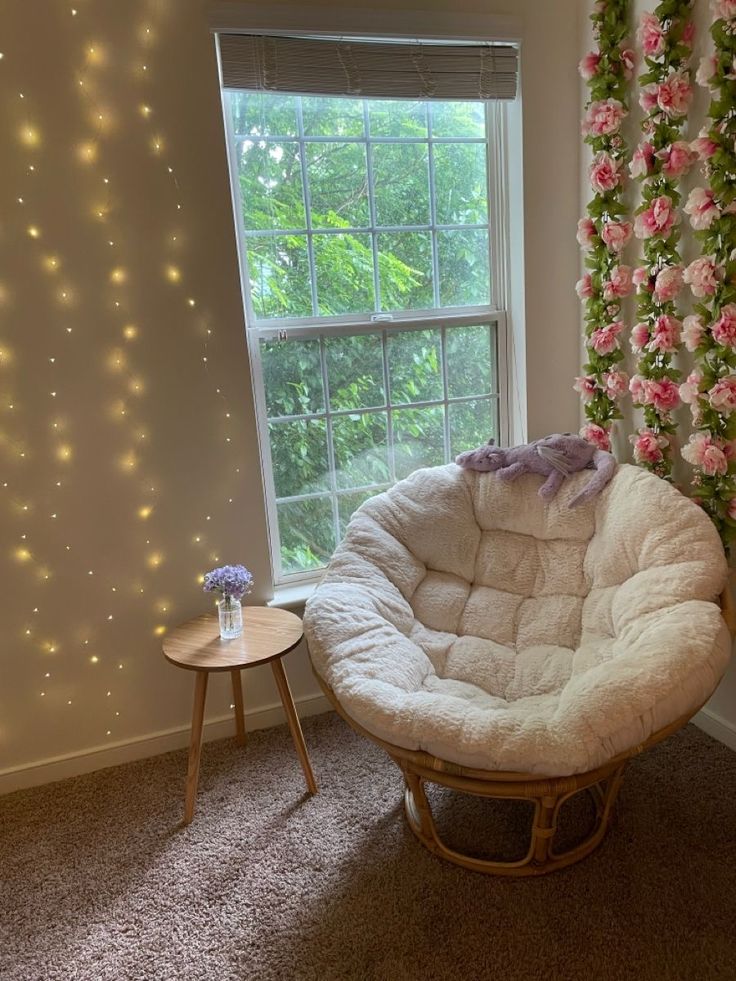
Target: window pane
point(415, 366)
point(292, 377)
point(307, 532)
point(461, 185)
point(464, 267)
point(405, 270)
point(332, 117)
point(458, 119)
point(418, 439)
point(470, 368)
point(338, 185)
point(398, 118)
point(278, 269)
point(263, 113)
point(344, 266)
point(271, 185)
point(348, 504)
point(361, 449)
point(471, 424)
point(299, 456)
point(401, 182)
point(355, 371)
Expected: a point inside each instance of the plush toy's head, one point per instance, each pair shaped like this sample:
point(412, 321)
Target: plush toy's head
point(565, 452)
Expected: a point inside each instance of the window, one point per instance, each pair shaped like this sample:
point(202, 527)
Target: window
point(369, 248)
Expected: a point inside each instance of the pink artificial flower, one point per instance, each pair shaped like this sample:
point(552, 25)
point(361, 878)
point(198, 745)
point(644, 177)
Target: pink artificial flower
point(722, 396)
point(651, 35)
point(688, 34)
point(639, 337)
point(619, 284)
point(648, 446)
point(675, 94)
point(724, 9)
point(648, 97)
point(706, 70)
point(642, 160)
point(690, 388)
point(731, 509)
point(677, 159)
point(636, 387)
point(714, 461)
point(603, 118)
point(703, 276)
point(702, 451)
point(662, 393)
point(693, 330)
point(586, 386)
point(668, 283)
point(641, 277)
point(605, 339)
point(702, 208)
point(584, 287)
point(616, 234)
point(657, 219)
point(616, 383)
point(587, 232)
point(704, 146)
point(666, 334)
point(588, 67)
point(628, 62)
point(724, 329)
point(604, 173)
point(596, 435)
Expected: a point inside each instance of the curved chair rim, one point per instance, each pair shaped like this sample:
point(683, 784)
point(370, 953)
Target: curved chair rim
point(434, 768)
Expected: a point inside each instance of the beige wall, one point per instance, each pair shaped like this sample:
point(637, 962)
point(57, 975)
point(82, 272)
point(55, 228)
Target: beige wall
point(104, 424)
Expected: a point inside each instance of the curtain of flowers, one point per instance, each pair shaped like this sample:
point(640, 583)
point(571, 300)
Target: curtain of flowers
point(664, 327)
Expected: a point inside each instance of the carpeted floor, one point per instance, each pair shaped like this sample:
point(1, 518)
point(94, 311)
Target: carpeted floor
point(98, 880)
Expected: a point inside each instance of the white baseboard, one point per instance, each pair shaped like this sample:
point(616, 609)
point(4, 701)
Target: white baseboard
point(61, 767)
point(715, 725)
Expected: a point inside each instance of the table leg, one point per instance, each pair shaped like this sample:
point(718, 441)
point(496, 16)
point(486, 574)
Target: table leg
point(195, 744)
point(293, 720)
point(238, 701)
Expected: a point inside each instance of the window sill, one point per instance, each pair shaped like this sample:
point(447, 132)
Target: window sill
point(292, 597)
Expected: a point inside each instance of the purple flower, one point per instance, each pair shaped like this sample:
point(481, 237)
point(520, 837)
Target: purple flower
point(230, 580)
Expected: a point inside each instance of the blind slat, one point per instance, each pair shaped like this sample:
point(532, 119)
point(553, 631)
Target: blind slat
point(367, 69)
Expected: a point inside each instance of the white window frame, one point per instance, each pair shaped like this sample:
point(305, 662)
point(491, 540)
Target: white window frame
point(498, 124)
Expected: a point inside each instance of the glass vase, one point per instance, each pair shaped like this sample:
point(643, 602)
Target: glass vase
point(230, 613)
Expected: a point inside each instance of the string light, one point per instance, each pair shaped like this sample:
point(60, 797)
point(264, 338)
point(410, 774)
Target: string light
point(103, 212)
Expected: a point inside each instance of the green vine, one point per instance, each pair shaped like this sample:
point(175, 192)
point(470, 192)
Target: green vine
point(711, 387)
point(660, 160)
point(603, 233)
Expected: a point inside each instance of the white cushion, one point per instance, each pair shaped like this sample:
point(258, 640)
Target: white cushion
point(464, 616)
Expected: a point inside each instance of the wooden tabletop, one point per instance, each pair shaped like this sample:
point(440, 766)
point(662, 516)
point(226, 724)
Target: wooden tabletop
point(267, 634)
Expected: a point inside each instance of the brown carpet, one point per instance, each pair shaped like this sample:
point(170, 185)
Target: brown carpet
point(99, 881)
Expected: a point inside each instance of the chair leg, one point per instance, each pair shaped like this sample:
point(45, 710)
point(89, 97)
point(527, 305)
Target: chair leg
point(544, 827)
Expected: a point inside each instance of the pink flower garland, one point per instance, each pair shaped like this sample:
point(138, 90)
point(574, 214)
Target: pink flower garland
point(603, 233)
point(660, 160)
point(710, 333)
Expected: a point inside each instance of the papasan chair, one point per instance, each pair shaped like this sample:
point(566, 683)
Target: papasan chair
point(510, 648)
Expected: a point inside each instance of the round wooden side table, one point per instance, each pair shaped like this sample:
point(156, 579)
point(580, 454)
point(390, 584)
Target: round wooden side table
point(267, 635)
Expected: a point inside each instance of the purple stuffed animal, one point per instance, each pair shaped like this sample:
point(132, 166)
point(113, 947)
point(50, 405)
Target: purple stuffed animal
point(555, 457)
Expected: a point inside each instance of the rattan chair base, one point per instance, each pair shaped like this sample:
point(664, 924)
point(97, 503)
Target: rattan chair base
point(548, 794)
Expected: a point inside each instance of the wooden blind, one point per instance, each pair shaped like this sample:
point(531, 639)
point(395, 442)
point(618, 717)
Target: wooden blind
point(369, 69)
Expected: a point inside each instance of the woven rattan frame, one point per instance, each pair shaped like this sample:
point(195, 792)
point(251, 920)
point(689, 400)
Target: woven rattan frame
point(548, 794)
